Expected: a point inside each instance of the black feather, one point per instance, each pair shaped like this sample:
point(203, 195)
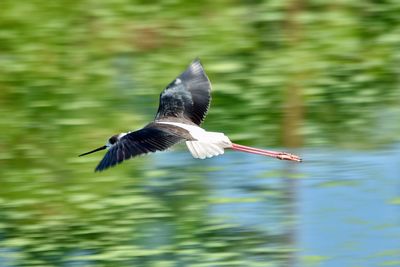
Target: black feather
point(148, 139)
point(188, 96)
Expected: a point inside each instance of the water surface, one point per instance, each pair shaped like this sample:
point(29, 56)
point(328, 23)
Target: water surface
point(337, 208)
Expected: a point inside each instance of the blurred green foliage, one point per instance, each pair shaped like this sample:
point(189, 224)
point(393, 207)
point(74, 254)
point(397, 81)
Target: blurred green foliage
point(75, 72)
point(70, 64)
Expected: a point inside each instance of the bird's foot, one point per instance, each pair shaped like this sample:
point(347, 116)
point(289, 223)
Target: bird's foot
point(288, 156)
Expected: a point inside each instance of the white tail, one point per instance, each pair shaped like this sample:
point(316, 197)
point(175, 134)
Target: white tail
point(202, 150)
point(210, 144)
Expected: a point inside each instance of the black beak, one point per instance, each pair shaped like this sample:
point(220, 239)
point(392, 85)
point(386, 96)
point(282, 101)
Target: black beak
point(97, 149)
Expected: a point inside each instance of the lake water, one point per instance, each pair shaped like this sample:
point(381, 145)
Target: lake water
point(337, 208)
point(349, 208)
point(346, 203)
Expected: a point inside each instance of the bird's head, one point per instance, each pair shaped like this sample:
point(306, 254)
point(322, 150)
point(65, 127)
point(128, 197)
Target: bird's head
point(111, 141)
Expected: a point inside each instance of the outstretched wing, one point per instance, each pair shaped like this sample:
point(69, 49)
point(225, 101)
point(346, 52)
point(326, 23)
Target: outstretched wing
point(136, 143)
point(188, 96)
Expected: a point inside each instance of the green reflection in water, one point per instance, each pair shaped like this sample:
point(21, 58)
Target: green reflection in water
point(147, 218)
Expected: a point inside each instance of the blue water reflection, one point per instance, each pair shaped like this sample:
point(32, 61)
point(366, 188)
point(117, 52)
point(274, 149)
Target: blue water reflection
point(348, 211)
point(346, 202)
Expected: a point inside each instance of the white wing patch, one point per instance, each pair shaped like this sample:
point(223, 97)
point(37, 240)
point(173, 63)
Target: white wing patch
point(207, 144)
point(201, 150)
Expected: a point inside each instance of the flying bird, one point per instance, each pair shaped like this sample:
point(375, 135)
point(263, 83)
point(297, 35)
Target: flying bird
point(183, 106)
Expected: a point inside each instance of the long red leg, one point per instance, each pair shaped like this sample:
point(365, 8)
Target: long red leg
point(269, 153)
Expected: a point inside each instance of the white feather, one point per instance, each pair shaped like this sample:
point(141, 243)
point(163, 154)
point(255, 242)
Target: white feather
point(207, 144)
point(191, 149)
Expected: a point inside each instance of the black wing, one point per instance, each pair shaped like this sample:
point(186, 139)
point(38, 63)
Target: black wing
point(136, 143)
point(188, 96)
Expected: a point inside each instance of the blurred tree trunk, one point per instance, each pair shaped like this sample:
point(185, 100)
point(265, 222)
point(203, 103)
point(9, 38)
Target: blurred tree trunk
point(293, 102)
point(293, 117)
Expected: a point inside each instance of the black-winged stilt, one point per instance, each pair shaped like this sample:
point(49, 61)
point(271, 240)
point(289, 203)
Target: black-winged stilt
point(183, 106)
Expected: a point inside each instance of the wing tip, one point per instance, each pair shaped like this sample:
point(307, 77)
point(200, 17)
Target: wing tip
point(97, 169)
point(100, 168)
point(196, 60)
point(196, 67)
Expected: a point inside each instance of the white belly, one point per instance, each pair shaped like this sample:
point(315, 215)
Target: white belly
point(207, 144)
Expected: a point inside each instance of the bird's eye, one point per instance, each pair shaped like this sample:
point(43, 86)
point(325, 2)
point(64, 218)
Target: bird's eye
point(113, 139)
